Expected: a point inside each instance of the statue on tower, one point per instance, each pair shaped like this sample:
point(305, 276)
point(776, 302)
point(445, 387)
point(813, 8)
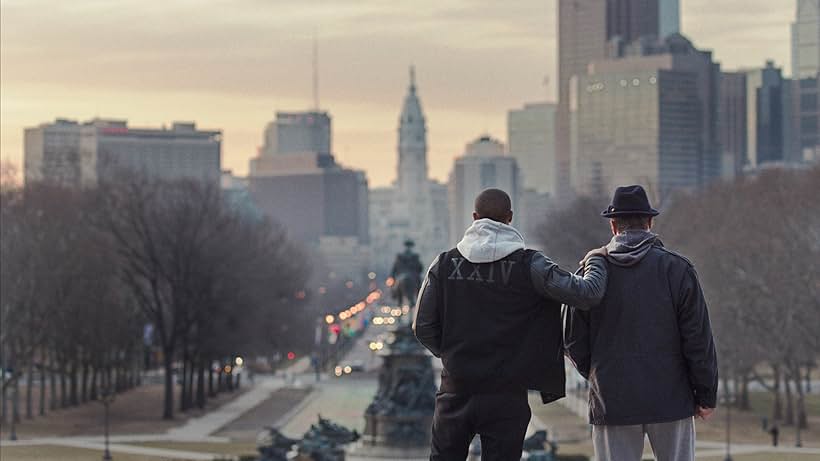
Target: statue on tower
point(406, 275)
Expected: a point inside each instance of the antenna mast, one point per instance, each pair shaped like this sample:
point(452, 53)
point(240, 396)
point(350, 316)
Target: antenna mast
point(315, 73)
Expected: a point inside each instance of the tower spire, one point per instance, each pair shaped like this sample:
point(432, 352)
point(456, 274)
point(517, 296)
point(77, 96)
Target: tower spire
point(412, 142)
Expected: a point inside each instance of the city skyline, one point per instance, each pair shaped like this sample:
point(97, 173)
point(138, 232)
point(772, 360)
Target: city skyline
point(220, 69)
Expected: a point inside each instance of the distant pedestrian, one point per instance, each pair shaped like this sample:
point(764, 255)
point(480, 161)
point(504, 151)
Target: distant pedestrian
point(314, 362)
point(647, 349)
point(491, 310)
point(775, 433)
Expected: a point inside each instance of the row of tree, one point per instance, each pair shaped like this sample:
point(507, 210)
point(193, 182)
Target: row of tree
point(64, 322)
point(756, 246)
point(93, 277)
point(755, 243)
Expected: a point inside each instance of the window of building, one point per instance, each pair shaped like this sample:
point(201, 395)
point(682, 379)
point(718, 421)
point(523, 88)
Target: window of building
point(488, 175)
point(808, 102)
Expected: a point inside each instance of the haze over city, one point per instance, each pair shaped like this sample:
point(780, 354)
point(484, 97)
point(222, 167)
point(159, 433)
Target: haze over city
point(231, 65)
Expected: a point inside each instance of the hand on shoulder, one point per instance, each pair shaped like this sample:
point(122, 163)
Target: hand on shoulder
point(602, 252)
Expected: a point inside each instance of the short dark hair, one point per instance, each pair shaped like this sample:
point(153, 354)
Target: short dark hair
point(494, 204)
point(631, 222)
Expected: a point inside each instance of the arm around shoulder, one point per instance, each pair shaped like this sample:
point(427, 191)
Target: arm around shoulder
point(581, 292)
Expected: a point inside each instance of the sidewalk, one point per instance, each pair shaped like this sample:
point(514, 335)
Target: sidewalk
point(209, 423)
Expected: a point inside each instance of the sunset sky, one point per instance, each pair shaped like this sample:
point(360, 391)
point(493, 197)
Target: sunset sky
point(231, 65)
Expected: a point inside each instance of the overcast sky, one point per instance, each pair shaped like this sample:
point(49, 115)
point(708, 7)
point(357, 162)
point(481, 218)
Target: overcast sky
point(230, 64)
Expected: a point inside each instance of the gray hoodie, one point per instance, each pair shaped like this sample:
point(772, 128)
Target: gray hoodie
point(629, 247)
point(487, 241)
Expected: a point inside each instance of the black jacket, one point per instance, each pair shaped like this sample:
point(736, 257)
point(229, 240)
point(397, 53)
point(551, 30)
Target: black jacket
point(491, 311)
point(647, 349)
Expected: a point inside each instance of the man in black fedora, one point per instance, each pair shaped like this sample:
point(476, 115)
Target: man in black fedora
point(647, 349)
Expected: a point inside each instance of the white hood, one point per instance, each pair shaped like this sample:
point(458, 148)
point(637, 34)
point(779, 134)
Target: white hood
point(486, 241)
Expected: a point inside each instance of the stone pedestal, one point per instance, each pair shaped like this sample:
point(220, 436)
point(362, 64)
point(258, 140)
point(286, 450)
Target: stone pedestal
point(398, 421)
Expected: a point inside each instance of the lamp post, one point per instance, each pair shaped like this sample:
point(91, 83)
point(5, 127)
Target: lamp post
point(727, 401)
point(13, 431)
point(106, 398)
point(6, 383)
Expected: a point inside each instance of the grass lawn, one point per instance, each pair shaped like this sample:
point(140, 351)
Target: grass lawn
point(52, 453)
point(761, 402)
point(137, 411)
point(746, 426)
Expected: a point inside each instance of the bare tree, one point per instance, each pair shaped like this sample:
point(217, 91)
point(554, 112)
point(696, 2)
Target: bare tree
point(568, 233)
point(755, 244)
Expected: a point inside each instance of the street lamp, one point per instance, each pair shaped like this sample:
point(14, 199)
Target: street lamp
point(106, 398)
point(727, 401)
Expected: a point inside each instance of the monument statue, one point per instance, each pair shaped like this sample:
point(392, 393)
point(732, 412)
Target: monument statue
point(324, 441)
point(398, 420)
point(406, 275)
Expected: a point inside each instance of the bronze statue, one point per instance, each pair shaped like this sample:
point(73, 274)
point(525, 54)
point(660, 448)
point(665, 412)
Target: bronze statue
point(324, 441)
point(397, 421)
point(406, 275)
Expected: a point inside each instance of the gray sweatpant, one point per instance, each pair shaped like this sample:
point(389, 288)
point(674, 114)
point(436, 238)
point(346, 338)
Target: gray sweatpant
point(672, 441)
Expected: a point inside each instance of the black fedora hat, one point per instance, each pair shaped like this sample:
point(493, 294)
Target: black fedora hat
point(629, 200)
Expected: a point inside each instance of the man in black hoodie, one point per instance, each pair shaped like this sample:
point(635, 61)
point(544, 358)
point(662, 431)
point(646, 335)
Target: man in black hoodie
point(647, 349)
point(491, 310)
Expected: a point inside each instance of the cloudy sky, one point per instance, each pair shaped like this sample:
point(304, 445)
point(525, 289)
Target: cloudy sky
point(230, 64)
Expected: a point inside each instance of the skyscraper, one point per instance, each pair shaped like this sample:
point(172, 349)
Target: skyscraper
point(590, 30)
point(531, 141)
point(629, 20)
point(295, 180)
point(82, 154)
point(805, 119)
point(649, 118)
point(806, 39)
point(324, 202)
point(766, 115)
point(669, 16)
point(806, 81)
point(52, 154)
point(483, 165)
point(295, 140)
point(582, 38)
point(732, 113)
point(298, 132)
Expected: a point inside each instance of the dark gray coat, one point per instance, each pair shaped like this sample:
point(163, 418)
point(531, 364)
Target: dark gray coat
point(647, 349)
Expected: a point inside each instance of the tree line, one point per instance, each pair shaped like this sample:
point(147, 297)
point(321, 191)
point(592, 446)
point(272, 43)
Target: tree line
point(755, 243)
point(92, 279)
